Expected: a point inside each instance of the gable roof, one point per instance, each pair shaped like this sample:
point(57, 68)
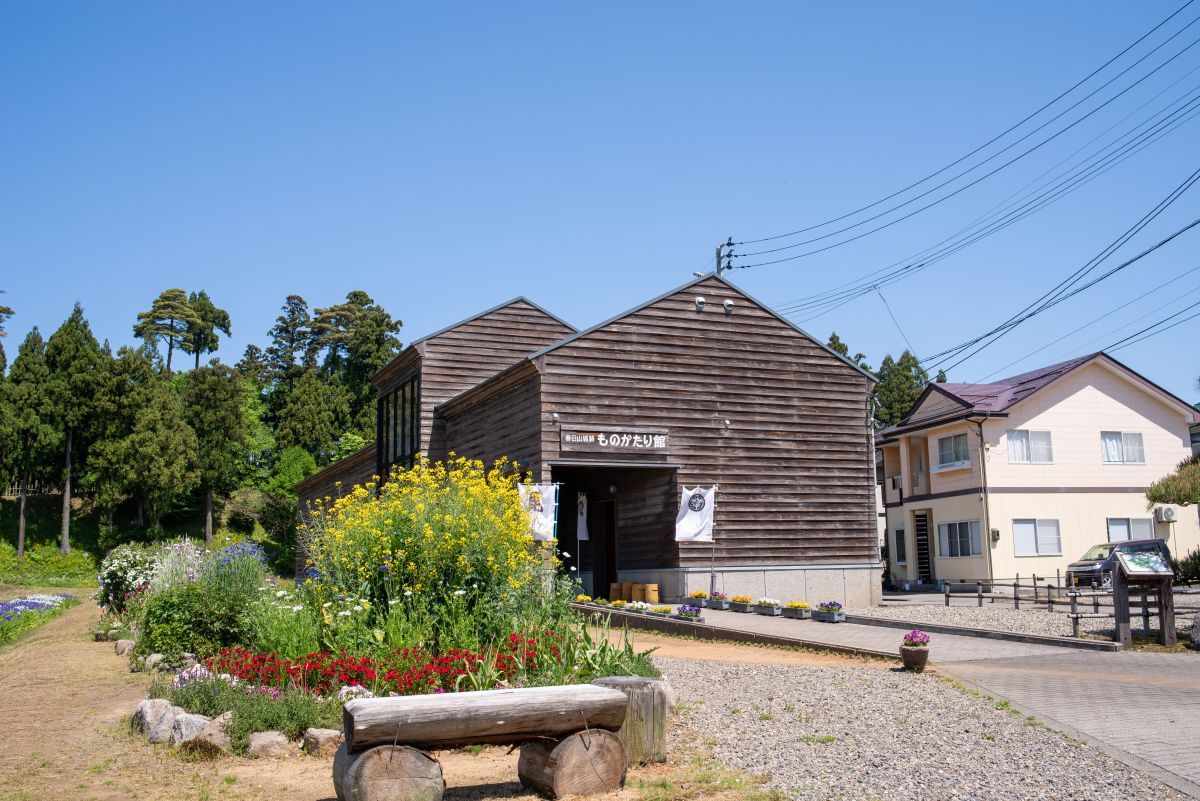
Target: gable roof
point(997, 397)
point(698, 280)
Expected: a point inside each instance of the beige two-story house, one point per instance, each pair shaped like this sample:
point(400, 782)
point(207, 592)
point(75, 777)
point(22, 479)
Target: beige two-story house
point(1023, 475)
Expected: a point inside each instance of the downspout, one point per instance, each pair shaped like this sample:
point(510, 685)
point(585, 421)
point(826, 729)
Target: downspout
point(987, 512)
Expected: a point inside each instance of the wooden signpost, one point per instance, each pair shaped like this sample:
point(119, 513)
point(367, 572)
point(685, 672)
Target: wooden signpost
point(1149, 573)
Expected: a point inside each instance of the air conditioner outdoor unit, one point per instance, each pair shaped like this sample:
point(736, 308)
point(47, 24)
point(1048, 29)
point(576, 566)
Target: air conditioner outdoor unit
point(1166, 514)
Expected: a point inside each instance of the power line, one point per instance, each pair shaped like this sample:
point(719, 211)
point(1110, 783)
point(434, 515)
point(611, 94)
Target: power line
point(991, 141)
point(957, 191)
point(895, 322)
point(1129, 340)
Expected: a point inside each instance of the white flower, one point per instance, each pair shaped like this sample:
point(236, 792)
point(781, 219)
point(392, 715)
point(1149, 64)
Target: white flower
point(566, 555)
point(460, 592)
point(298, 608)
point(327, 604)
point(572, 568)
point(407, 592)
point(344, 613)
point(262, 589)
point(280, 593)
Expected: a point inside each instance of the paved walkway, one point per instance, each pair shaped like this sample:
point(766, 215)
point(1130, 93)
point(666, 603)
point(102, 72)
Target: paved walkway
point(1142, 708)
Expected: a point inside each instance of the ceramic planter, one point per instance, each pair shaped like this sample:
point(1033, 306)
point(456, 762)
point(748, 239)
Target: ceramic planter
point(769, 611)
point(914, 659)
point(828, 617)
point(716, 604)
point(796, 614)
point(737, 607)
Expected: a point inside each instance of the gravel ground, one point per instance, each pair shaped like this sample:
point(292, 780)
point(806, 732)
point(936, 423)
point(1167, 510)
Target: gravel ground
point(999, 617)
point(869, 733)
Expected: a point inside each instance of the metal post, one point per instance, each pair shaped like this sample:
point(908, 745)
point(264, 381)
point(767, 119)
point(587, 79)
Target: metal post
point(980, 592)
point(1017, 594)
point(947, 594)
point(1096, 603)
point(1049, 599)
point(1074, 613)
point(1057, 577)
point(1035, 590)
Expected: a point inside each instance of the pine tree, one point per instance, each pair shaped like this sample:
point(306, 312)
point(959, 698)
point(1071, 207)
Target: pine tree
point(293, 350)
point(159, 452)
point(941, 377)
point(201, 336)
point(169, 317)
point(901, 382)
point(309, 419)
point(31, 442)
point(74, 361)
point(360, 338)
point(126, 386)
point(5, 313)
point(253, 368)
point(836, 345)
point(212, 406)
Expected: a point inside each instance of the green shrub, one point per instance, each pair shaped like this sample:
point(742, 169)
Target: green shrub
point(1187, 569)
point(277, 621)
point(254, 708)
point(235, 572)
point(189, 619)
point(124, 570)
point(46, 566)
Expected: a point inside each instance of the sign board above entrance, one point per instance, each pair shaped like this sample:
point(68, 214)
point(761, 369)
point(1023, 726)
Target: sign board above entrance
point(612, 439)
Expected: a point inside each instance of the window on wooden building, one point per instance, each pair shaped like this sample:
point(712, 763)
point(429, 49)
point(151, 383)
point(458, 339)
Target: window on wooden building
point(400, 424)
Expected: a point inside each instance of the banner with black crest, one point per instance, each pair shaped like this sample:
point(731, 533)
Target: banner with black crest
point(695, 520)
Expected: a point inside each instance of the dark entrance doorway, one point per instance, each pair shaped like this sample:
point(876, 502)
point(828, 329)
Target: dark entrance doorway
point(924, 563)
point(630, 520)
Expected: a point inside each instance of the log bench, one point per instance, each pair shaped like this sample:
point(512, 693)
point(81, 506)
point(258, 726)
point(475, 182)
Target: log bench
point(568, 736)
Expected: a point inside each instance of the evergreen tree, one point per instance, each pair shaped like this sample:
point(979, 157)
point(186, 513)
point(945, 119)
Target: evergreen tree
point(74, 361)
point(901, 382)
point(259, 440)
point(293, 350)
point(31, 442)
point(836, 345)
point(941, 377)
point(201, 336)
point(126, 386)
point(309, 418)
point(360, 338)
point(5, 313)
point(254, 368)
point(169, 317)
point(212, 406)
point(159, 451)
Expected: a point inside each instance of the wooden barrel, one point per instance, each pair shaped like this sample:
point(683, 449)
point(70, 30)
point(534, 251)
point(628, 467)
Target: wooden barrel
point(626, 591)
point(651, 593)
point(639, 592)
point(614, 591)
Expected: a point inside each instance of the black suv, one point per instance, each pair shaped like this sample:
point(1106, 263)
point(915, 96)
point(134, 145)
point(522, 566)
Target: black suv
point(1098, 563)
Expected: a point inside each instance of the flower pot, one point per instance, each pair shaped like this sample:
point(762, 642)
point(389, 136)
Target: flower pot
point(716, 604)
point(769, 611)
point(796, 614)
point(737, 607)
point(914, 659)
point(688, 618)
point(828, 617)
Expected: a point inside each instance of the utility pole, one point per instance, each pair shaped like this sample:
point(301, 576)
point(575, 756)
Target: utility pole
point(725, 255)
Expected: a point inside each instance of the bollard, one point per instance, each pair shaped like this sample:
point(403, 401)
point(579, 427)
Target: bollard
point(1095, 601)
point(1074, 614)
point(1049, 599)
point(1017, 594)
point(979, 592)
point(1035, 589)
point(947, 595)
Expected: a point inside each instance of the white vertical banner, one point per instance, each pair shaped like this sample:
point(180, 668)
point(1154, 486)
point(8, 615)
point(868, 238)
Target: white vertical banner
point(695, 520)
point(541, 501)
point(581, 528)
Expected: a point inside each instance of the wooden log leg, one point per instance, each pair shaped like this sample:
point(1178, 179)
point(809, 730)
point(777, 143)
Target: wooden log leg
point(644, 732)
point(1166, 614)
point(585, 763)
point(387, 773)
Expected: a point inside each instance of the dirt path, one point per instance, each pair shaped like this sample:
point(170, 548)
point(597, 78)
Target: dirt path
point(66, 700)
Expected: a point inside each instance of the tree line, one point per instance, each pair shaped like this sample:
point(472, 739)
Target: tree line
point(901, 381)
point(144, 436)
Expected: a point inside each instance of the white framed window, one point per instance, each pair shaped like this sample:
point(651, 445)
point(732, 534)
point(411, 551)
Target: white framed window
point(1122, 447)
point(953, 452)
point(1037, 538)
point(962, 538)
point(1030, 447)
point(1121, 529)
point(901, 548)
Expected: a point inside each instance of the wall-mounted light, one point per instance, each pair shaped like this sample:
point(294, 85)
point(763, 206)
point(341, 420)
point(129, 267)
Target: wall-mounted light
point(699, 303)
point(728, 307)
point(555, 416)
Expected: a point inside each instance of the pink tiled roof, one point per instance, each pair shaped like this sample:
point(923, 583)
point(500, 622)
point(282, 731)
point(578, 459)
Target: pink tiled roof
point(997, 396)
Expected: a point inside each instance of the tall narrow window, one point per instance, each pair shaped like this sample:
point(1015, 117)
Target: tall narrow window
point(901, 548)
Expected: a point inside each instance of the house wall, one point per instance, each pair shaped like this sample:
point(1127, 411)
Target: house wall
point(794, 466)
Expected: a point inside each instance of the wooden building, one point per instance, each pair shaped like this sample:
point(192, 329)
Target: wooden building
point(700, 386)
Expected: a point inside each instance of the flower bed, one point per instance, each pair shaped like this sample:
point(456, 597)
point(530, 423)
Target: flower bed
point(22, 615)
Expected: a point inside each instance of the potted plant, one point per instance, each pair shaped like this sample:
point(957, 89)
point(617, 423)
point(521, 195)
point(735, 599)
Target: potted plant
point(688, 612)
point(661, 611)
point(741, 603)
point(619, 605)
point(718, 600)
point(914, 650)
point(583, 599)
point(771, 607)
point(797, 610)
point(600, 602)
point(640, 607)
point(697, 598)
point(829, 612)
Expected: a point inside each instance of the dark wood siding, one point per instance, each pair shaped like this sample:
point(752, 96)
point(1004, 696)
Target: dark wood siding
point(457, 360)
point(504, 422)
point(794, 464)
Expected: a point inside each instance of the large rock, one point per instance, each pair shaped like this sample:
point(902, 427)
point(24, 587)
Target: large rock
point(322, 742)
point(271, 745)
point(155, 718)
point(152, 662)
point(213, 739)
point(187, 726)
point(124, 647)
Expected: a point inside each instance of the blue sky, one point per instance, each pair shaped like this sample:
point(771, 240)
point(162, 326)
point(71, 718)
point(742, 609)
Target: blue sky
point(444, 158)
